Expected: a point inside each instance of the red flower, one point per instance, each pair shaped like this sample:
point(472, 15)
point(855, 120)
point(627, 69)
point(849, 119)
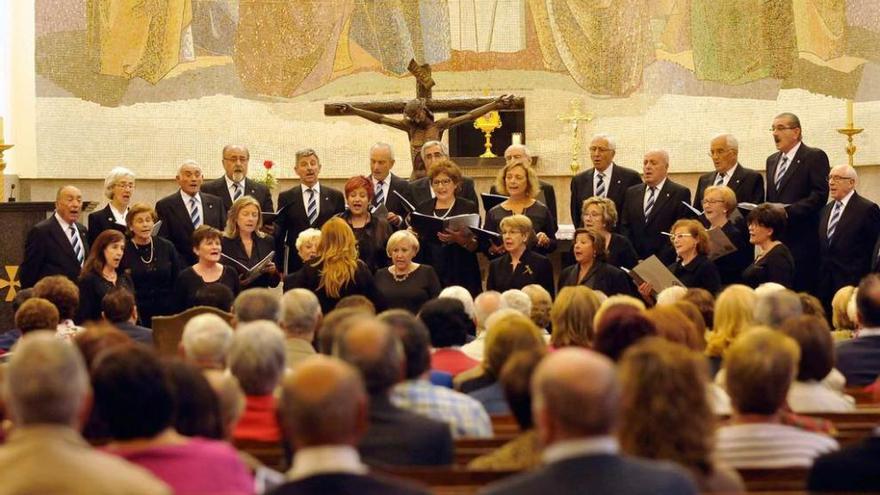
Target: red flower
point(268, 164)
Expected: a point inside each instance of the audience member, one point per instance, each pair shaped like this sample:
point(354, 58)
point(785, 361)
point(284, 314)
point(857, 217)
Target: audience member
point(256, 304)
point(811, 305)
point(619, 299)
point(64, 294)
point(215, 296)
point(36, 314)
point(541, 304)
point(100, 274)
point(357, 301)
point(575, 420)
point(517, 300)
point(668, 296)
point(572, 316)
point(46, 393)
point(619, 327)
point(705, 303)
point(206, 271)
point(734, 314)
point(760, 366)
point(256, 358)
point(449, 327)
point(337, 323)
point(97, 338)
point(858, 359)
point(118, 308)
point(230, 399)
point(693, 314)
point(774, 308)
point(406, 284)
point(395, 436)
point(485, 304)
point(840, 320)
point(196, 406)
point(853, 469)
point(206, 340)
point(300, 317)
point(463, 295)
point(674, 326)
point(11, 336)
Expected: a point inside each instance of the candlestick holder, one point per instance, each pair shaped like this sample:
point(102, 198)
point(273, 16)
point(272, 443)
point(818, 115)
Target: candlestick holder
point(849, 132)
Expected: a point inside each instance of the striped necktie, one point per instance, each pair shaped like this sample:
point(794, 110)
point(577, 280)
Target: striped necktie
point(650, 204)
point(76, 245)
point(236, 191)
point(380, 194)
point(780, 171)
point(600, 185)
point(835, 217)
point(194, 214)
point(719, 180)
point(312, 208)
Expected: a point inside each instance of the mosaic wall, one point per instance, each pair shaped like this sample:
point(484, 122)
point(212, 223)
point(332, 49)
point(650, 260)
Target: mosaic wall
point(148, 83)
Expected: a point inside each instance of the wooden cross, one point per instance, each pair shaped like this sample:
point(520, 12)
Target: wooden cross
point(574, 117)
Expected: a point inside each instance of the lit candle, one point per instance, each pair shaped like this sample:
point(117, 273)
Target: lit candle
point(849, 114)
point(516, 138)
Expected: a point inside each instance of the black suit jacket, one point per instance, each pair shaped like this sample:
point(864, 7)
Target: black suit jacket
point(745, 182)
point(846, 258)
point(602, 277)
point(177, 226)
point(532, 268)
point(421, 190)
point(47, 251)
point(599, 473)
point(258, 191)
point(394, 203)
point(859, 360)
point(294, 220)
point(622, 178)
point(399, 437)
point(345, 483)
point(546, 195)
point(101, 220)
point(646, 236)
point(852, 469)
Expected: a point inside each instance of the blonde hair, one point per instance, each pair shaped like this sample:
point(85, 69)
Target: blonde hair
point(308, 235)
point(674, 325)
point(609, 210)
point(402, 236)
point(840, 319)
point(614, 300)
point(541, 303)
point(728, 197)
point(520, 223)
point(508, 334)
point(231, 231)
point(572, 317)
point(760, 367)
point(733, 315)
point(531, 178)
point(339, 256)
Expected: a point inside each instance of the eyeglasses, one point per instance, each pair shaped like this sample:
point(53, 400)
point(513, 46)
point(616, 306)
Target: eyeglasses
point(441, 182)
point(712, 201)
point(125, 185)
point(782, 128)
point(836, 178)
point(679, 236)
point(714, 153)
point(236, 159)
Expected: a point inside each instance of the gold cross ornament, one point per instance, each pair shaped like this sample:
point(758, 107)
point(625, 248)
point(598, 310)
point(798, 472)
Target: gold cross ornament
point(574, 117)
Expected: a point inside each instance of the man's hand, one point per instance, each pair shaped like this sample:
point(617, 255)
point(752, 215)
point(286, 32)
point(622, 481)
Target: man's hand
point(497, 249)
point(393, 219)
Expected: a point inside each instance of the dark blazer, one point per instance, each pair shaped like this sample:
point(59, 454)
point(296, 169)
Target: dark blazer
point(601, 276)
point(776, 266)
point(846, 257)
point(101, 220)
point(852, 469)
point(234, 248)
point(621, 252)
point(47, 251)
point(258, 191)
point(392, 202)
point(294, 220)
point(646, 236)
point(177, 226)
point(399, 437)
point(346, 483)
point(532, 268)
point(699, 273)
point(421, 190)
point(747, 184)
point(92, 289)
point(804, 187)
point(546, 195)
point(731, 266)
point(309, 277)
point(859, 360)
point(599, 473)
point(622, 178)
point(137, 333)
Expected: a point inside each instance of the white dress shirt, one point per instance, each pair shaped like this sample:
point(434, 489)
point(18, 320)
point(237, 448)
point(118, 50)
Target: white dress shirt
point(327, 459)
point(657, 190)
point(606, 179)
point(567, 449)
point(305, 193)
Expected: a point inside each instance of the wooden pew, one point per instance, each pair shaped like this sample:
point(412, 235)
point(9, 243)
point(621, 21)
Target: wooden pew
point(468, 449)
point(447, 481)
point(504, 425)
point(775, 480)
point(271, 454)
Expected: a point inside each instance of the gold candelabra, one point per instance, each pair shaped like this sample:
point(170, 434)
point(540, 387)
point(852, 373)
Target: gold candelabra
point(849, 131)
point(488, 123)
point(574, 117)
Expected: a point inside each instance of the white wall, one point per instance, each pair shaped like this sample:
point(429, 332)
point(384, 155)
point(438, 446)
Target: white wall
point(17, 90)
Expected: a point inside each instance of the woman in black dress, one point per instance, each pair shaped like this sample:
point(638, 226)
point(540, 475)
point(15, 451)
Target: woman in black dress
point(100, 274)
point(519, 266)
point(244, 246)
point(404, 284)
point(118, 188)
point(453, 253)
point(775, 263)
point(519, 183)
point(600, 214)
point(590, 269)
point(719, 203)
point(693, 268)
point(337, 272)
point(370, 231)
point(207, 271)
point(152, 263)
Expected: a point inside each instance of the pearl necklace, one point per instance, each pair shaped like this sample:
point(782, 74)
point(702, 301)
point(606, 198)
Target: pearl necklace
point(146, 262)
point(396, 277)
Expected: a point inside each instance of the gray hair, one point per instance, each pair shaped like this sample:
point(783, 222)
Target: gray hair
point(300, 154)
point(612, 145)
point(189, 163)
point(300, 312)
point(46, 381)
point(460, 293)
point(774, 308)
point(206, 340)
point(243, 148)
point(729, 139)
point(518, 300)
point(848, 171)
point(230, 396)
point(256, 304)
point(671, 295)
point(256, 356)
point(663, 153)
point(116, 175)
point(485, 304)
point(387, 146)
point(443, 148)
point(522, 148)
point(376, 351)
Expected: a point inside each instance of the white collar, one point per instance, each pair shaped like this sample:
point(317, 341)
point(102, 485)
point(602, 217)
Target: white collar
point(846, 198)
point(792, 152)
point(728, 173)
point(606, 173)
point(325, 459)
point(567, 449)
point(385, 182)
point(64, 225)
point(186, 197)
point(868, 332)
point(316, 188)
point(230, 182)
point(659, 186)
point(119, 216)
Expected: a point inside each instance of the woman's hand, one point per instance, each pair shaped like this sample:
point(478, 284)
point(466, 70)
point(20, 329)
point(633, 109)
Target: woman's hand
point(497, 249)
point(646, 291)
point(543, 239)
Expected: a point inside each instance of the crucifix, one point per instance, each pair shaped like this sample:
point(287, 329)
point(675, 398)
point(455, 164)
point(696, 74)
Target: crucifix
point(574, 117)
point(418, 114)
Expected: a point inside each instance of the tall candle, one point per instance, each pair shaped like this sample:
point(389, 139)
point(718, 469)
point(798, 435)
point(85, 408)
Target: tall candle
point(849, 113)
point(516, 138)
point(1, 131)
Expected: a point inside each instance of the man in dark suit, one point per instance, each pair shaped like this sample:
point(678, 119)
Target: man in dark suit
point(432, 152)
point(324, 410)
point(848, 229)
point(118, 308)
point(797, 176)
point(186, 209)
point(747, 184)
point(575, 419)
point(650, 209)
point(606, 179)
point(395, 436)
point(859, 358)
point(518, 153)
point(234, 183)
point(57, 245)
point(385, 184)
point(307, 205)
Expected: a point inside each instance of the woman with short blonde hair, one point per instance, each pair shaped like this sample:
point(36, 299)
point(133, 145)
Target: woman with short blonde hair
point(719, 204)
point(307, 243)
point(519, 266)
point(406, 284)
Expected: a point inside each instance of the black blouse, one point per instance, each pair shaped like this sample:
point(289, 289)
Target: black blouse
point(602, 277)
point(621, 252)
point(92, 289)
point(262, 247)
point(542, 221)
point(731, 266)
point(699, 273)
point(102, 220)
point(532, 268)
point(777, 265)
point(189, 282)
point(153, 269)
point(454, 264)
point(309, 277)
point(372, 239)
point(416, 289)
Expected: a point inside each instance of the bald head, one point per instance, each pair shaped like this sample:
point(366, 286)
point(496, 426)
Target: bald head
point(324, 402)
point(568, 406)
point(68, 203)
point(371, 347)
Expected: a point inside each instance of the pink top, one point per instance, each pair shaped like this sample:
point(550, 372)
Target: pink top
point(452, 361)
point(199, 466)
point(259, 421)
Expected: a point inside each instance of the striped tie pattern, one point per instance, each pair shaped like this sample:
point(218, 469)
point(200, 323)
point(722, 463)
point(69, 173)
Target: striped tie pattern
point(835, 217)
point(236, 191)
point(77, 247)
point(194, 213)
point(652, 197)
point(312, 208)
point(380, 194)
point(780, 171)
point(719, 180)
point(600, 185)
